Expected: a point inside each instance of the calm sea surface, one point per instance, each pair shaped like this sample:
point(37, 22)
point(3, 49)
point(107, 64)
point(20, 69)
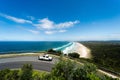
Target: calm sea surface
point(7, 47)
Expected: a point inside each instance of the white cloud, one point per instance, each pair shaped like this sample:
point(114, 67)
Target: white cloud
point(66, 24)
point(62, 31)
point(29, 30)
point(48, 24)
point(17, 20)
point(50, 32)
point(45, 24)
point(55, 31)
point(34, 31)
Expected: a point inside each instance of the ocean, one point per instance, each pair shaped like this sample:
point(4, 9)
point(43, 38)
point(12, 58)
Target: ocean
point(9, 47)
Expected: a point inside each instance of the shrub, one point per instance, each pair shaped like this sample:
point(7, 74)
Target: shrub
point(73, 55)
point(58, 53)
point(26, 73)
point(89, 68)
point(51, 50)
point(68, 70)
point(12, 75)
point(3, 73)
point(39, 75)
point(93, 77)
point(85, 72)
point(79, 74)
point(63, 69)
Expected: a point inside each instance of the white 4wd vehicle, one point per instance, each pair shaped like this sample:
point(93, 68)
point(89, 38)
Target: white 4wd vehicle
point(45, 57)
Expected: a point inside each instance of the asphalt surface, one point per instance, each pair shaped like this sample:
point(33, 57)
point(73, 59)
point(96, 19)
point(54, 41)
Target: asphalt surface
point(36, 65)
point(17, 62)
point(25, 58)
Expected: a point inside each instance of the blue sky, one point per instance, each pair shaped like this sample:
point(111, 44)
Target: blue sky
point(59, 20)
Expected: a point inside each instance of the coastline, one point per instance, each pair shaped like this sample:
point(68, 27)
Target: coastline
point(79, 48)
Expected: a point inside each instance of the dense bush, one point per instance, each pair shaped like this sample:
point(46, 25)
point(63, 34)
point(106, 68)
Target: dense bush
point(105, 54)
point(3, 73)
point(51, 51)
point(73, 55)
point(12, 75)
point(26, 72)
point(68, 70)
point(63, 69)
point(37, 75)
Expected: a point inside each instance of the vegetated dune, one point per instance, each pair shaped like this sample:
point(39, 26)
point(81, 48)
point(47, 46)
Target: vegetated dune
point(78, 48)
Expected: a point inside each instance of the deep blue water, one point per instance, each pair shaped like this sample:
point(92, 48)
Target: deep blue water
point(7, 47)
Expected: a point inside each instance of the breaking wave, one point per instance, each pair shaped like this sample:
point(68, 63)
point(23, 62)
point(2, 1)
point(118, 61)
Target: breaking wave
point(63, 47)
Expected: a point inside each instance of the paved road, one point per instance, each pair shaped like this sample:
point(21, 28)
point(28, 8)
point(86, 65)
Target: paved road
point(36, 65)
point(17, 62)
point(25, 58)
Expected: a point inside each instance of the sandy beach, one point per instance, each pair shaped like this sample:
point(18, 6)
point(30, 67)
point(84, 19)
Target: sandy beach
point(77, 47)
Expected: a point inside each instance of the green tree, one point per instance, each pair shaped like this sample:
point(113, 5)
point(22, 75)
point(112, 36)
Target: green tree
point(12, 75)
point(51, 50)
point(3, 73)
point(63, 69)
point(26, 73)
point(79, 73)
point(73, 55)
point(83, 71)
point(92, 76)
point(69, 70)
point(89, 68)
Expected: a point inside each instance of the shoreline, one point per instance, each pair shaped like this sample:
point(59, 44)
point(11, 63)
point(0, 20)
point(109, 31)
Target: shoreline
point(79, 48)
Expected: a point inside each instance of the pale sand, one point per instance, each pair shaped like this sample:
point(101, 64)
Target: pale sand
point(78, 48)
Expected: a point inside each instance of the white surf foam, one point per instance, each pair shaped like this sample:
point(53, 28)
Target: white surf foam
point(63, 47)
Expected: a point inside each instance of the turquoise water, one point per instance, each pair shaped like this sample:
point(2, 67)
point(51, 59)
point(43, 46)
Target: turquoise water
point(29, 46)
point(63, 47)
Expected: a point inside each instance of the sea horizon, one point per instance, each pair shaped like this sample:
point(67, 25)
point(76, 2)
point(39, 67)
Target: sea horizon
point(9, 47)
